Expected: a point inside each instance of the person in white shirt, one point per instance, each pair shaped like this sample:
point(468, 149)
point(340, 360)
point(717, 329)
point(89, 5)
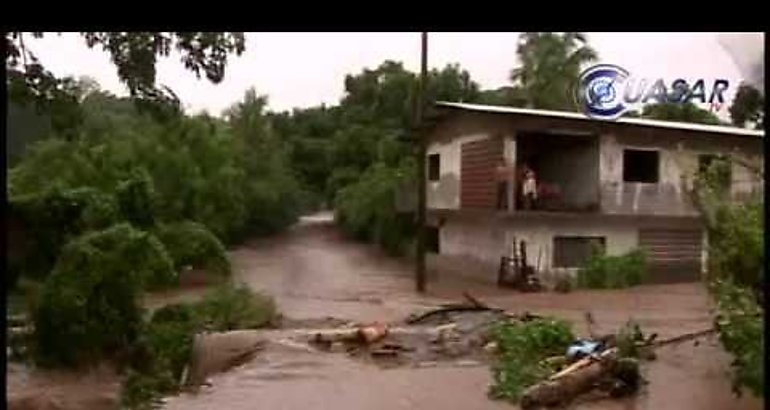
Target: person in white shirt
point(529, 189)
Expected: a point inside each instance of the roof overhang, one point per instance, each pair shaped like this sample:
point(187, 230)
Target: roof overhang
point(442, 109)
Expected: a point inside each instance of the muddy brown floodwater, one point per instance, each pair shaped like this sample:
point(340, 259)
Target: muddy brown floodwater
point(314, 273)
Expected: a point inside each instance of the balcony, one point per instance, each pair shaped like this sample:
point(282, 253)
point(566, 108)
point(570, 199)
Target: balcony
point(566, 171)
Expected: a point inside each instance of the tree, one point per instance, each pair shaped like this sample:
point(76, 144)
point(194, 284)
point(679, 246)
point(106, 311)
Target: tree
point(451, 83)
point(550, 65)
point(510, 96)
point(748, 106)
point(736, 273)
point(331, 146)
point(688, 112)
point(134, 55)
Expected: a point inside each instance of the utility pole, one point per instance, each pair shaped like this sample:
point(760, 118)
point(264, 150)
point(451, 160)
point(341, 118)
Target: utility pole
point(421, 195)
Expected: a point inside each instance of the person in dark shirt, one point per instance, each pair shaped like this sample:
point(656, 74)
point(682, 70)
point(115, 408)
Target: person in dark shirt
point(504, 175)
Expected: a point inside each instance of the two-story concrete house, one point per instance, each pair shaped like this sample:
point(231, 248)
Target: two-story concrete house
point(621, 184)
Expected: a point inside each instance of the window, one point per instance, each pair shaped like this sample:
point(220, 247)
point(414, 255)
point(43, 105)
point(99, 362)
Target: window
point(640, 166)
point(432, 239)
point(574, 251)
point(434, 167)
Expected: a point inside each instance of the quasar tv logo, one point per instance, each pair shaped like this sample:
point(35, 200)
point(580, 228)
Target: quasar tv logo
point(606, 91)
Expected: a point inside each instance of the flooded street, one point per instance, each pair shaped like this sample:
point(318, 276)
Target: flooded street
point(313, 272)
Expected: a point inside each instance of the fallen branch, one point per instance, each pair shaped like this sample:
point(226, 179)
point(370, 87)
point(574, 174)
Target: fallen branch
point(681, 338)
point(449, 309)
point(474, 301)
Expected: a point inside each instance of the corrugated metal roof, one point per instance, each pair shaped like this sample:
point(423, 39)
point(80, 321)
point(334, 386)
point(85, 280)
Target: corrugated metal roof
point(579, 116)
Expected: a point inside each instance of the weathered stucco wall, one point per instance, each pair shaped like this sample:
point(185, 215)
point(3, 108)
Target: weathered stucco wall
point(677, 168)
point(667, 197)
point(445, 193)
point(475, 245)
point(679, 150)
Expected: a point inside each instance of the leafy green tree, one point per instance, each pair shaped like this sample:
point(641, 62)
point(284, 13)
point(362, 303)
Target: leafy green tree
point(24, 126)
point(748, 106)
point(510, 96)
point(451, 83)
point(550, 66)
point(133, 53)
point(271, 189)
point(366, 143)
point(736, 273)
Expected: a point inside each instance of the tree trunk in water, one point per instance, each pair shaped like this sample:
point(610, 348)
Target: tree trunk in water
point(568, 386)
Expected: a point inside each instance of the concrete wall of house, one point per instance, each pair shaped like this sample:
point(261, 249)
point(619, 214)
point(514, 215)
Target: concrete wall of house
point(473, 247)
point(445, 193)
point(678, 163)
point(666, 197)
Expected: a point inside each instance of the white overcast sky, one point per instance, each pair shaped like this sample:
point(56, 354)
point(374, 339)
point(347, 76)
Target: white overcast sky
point(307, 69)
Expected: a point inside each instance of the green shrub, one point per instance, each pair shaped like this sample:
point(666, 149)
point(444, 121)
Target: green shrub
point(164, 348)
point(191, 244)
point(136, 199)
point(627, 339)
point(235, 307)
point(736, 273)
point(89, 305)
point(143, 391)
point(603, 271)
point(736, 241)
point(45, 221)
point(522, 346)
point(169, 337)
point(740, 324)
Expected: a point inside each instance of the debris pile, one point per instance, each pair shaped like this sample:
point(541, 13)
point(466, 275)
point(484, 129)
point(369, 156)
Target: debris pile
point(449, 333)
point(546, 364)
point(588, 364)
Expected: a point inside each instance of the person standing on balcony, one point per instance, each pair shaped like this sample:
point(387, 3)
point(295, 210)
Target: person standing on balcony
point(504, 175)
point(529, 189)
